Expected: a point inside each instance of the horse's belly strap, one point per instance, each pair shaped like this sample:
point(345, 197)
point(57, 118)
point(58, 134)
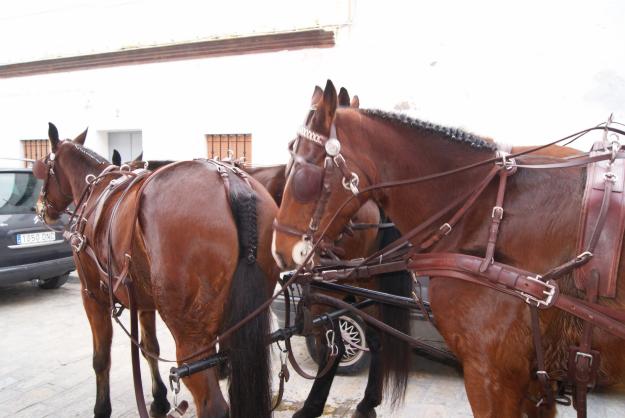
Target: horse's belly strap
point(607, 252)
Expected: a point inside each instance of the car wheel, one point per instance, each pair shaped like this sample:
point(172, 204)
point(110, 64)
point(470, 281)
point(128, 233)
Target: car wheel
point(55, 282)
point(354, 360)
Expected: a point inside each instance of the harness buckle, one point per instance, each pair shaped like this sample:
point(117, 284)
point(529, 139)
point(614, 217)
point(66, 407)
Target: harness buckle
point(497, 213)
point(579, 354)
point(78, 242)
point(583, 255)
point(549, 293)
point(446, 228)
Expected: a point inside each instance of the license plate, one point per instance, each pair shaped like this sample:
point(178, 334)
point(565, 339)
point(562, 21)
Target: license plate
point(36, 238)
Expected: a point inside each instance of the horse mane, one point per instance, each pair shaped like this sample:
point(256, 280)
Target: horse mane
point(89, 153)
point(453, 134)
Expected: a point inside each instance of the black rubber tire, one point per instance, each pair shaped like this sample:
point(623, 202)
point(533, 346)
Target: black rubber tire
point(354, 361)
point(55, 282)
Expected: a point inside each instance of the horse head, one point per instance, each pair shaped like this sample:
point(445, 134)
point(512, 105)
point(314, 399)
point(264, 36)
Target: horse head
point(56, 192)
point(320, 179)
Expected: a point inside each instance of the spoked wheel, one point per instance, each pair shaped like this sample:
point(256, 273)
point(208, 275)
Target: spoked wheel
point(352, 331)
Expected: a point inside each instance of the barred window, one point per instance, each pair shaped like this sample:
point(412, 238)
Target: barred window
point(223, 146)
point(35, 149)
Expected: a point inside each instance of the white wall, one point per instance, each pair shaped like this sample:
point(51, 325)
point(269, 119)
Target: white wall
point(519, 72)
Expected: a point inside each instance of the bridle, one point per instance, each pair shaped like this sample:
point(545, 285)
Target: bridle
point(311, 182)
point(43, 169)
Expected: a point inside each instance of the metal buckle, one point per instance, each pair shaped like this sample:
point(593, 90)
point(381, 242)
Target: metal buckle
point(81, 242)
point(497, 213)
point(543, 372)
point(446, 228)
point(583, 255)
point(549, 293)
point(586, 355)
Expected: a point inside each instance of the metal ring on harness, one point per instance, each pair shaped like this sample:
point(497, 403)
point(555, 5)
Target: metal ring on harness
point(352, 183)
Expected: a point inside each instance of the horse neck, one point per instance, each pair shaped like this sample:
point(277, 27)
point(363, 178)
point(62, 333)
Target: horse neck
point(77, 167)
point(397, 152)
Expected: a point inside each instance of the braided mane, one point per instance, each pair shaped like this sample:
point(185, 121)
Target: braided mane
point(454, 134)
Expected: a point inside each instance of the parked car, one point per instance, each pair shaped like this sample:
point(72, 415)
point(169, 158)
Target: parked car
point(29, 249)
point(353, 329)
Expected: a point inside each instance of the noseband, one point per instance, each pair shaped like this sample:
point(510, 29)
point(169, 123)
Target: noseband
point(311, 182)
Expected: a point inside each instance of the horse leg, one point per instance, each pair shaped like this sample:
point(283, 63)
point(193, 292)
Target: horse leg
point(373, 392)
point(490, 393)
point(204, 385)
point(316, 400)
point(102, 335)
point(160, 406)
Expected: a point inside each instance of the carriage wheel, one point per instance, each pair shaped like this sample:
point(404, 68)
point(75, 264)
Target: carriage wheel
point(354, 360)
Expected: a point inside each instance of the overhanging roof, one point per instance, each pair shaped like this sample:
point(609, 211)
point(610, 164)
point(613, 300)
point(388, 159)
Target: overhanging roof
point(315, 38)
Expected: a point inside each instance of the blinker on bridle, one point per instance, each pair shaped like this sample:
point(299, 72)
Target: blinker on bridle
point(44, 170)
point(311, 182)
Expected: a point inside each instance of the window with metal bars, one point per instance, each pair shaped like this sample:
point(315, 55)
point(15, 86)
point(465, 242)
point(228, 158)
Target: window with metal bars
point(34, 149)
point(224, 146)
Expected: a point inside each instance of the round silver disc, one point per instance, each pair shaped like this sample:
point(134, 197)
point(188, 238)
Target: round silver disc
point(333, 147)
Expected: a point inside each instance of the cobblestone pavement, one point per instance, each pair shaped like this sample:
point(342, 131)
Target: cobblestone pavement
point(45, 368)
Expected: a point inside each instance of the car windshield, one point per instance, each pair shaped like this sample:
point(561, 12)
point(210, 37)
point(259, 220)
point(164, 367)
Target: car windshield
point(18, 193)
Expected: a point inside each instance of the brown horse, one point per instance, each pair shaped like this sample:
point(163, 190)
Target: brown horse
point(488, 330)
point(199, 248)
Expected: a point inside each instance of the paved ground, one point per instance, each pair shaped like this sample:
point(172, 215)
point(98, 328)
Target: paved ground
point(45, 368)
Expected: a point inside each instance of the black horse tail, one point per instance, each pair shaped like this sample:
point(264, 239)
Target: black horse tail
point(395, 354)
point(249, 386)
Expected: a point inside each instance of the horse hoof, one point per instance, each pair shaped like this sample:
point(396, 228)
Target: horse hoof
point(302, 414)
point(159, 409)
point(360, 414)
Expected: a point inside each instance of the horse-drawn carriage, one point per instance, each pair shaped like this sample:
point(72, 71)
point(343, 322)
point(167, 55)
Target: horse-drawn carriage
point(530, 302)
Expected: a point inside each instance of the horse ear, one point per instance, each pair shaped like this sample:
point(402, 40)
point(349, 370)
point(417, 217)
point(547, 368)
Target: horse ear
point(355, 102)
point(329, 100)
point(80, 139)
point(343, 97)
point(139, 157)
point(316, 97)
point(53, 136)
point(116, 158)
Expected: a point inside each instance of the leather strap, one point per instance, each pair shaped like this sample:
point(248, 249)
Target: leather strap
point(134, 350)
point(547, 400)
point(583, 361)
point(496, 217)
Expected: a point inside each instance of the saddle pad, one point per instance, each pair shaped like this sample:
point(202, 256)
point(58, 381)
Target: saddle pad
point(607, 253)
